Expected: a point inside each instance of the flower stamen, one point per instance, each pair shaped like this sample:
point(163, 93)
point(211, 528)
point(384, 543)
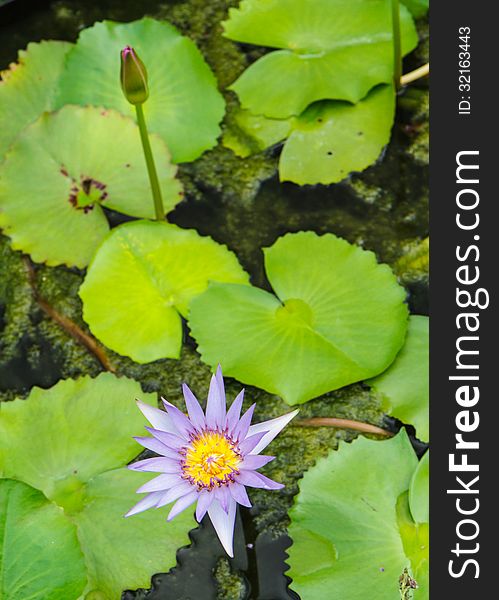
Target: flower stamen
point(211, 460)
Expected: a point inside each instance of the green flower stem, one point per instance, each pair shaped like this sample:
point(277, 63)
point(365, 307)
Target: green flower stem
point(397, 51)
point(151, 167)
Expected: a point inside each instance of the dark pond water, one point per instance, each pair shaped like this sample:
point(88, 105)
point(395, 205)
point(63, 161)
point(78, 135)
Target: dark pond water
point(245, 207)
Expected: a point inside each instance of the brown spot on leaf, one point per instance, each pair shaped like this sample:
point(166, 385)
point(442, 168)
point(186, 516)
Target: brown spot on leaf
point(86, 184)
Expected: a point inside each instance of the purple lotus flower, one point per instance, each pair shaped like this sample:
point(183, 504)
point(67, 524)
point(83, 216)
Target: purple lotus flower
point(208, 459)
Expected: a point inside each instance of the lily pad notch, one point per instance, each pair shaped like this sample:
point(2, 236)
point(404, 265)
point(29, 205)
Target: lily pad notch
point(336, 316)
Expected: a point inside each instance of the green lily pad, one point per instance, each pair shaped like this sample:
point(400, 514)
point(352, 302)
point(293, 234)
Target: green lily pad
point(63, 169)
point(72, 442)
point(148, 273)
point(184, 105)
point(40, 557)
point(326, 143)
point(360, 491)
point(27, 88)
point(332, 139)
point(337, 316)
point(419, 490)
point(418, 8)
point(331, 50)
point(123, 553)
point(404, 386)
point(60, 438)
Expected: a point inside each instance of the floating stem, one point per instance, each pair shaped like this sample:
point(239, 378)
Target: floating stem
point(344, 424)
point(397, 50)
point(416, 74)
point(151, 167)
point(69, 326)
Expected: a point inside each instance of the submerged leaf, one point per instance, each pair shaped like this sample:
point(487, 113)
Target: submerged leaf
point(40, 556)
point(331, 50)
point(337, 316)
point(360, 491)
point(184, 105)
point(142, 280)
point(27, 89)
point(63, 169)
point(247, 133)
point(404, 386)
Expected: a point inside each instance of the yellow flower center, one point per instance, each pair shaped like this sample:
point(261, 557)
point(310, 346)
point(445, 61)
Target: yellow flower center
point(211, 459)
